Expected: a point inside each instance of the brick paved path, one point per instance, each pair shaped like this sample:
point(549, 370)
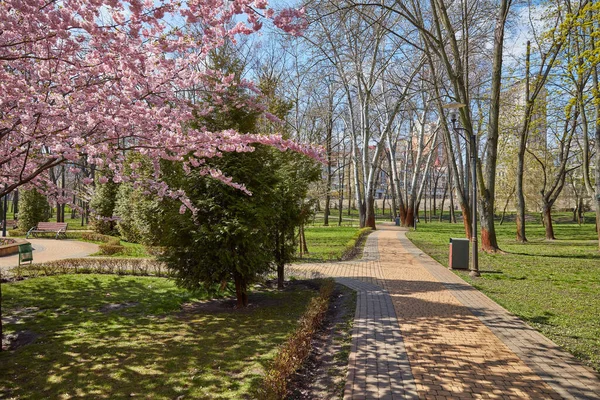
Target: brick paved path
point(458, 343)
point(50, 250)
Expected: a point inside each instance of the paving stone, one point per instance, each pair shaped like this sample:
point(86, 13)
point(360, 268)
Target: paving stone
point(421, 332)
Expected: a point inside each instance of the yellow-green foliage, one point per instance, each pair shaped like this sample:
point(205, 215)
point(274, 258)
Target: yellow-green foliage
point(110, 249)
point(296, 349)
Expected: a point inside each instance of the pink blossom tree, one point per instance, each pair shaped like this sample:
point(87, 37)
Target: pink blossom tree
point(100, 78)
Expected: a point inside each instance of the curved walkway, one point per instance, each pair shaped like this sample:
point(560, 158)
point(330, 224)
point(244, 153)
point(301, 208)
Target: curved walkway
point(442, 339)
point(50, 250)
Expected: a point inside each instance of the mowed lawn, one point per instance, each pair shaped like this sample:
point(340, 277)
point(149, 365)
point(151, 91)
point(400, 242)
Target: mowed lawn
point(553, 285)
point(326, 243)
point(116, 337)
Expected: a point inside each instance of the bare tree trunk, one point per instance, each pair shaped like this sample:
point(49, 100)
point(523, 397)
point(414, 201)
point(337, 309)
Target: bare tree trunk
point(15, 204)
point(279, 251)
point(451, 199)
point(506, 206)
point(443, 201)
point(487, 180)
point(409, 217)
point(466, 220)
point(328, 149)
point(523, 134)
point(303, 240)
point(390, 157)
point(341, 197)
point(280, 275)
point(425, 202)
point(370, 212)
point(349, 189)
point(241, 290)
point(435, 188)
point(596, 202)
point(547, 216)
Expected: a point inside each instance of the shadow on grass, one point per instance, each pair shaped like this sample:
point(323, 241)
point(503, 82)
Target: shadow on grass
point(588, 256)
point(150, 349)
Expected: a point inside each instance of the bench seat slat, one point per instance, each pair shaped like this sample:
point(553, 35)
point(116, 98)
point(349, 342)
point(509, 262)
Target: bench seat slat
point(44, 227)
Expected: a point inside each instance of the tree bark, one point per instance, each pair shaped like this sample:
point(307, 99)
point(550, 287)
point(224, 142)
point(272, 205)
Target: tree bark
point(443, 201)
point(547, 216)
point(466, 212)
point(523, 134)
point(409, 217)
point(505, 207)
point(370, 212)
point(241, 290)
point(280, 275)
point(328, 149)
point(452, 215)
point(487, 179)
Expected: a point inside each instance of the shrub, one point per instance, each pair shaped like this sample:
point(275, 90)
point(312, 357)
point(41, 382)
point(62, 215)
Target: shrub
point(296, 349)
point(16, 232)
point(355, 244)
point(98, 237)
point(110, 249)
point(103, 205)
point(33, 208)
point(141, 216)
point(120, 266)
point(155, 250)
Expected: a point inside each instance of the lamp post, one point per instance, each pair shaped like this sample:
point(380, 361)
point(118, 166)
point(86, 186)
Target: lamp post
point(472, 140)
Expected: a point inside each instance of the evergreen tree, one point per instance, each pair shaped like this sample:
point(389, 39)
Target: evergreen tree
point(103, 206)
point(33, 208)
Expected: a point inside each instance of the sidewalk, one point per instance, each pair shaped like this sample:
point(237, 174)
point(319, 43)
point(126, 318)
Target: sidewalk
point(49, 250)
point(449, 341)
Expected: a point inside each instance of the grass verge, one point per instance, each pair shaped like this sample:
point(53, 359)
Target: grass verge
point(553, 285)
point(102, 336)
point(327, 243)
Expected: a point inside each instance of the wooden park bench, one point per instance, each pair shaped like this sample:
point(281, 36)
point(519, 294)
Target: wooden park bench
point(49, 227)
point(10, 224)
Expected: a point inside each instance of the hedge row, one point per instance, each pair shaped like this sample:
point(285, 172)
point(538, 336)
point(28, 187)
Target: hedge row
point(354, 245)
point(98, 237)
point(119, 266)
point(296, 349)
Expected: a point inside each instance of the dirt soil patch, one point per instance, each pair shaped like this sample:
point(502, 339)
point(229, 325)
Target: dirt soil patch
point(13, 341)
point(255, 299)
point(324, 374)
point(118, 306)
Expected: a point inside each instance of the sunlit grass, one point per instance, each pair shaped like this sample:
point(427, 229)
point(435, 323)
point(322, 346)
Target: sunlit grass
point(553, 285)
point(326, 243)
point(118, 337)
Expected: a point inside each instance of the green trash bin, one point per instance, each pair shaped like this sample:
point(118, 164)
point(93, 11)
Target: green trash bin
point(459, 253)
point(25, 253)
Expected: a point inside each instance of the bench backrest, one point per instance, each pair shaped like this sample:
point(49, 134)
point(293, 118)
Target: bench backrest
point(52, 226)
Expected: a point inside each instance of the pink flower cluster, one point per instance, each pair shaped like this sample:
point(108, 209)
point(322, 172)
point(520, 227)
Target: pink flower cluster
point(95, 79)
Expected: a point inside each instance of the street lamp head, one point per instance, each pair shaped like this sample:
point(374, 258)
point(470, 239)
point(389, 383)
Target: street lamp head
point(453, 107)
point(453, 117)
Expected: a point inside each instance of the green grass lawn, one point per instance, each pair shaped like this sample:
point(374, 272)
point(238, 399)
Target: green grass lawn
point(351, 220)
point(116, 337)
point(130, 250)
point(327, 243)
point(553, 285)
